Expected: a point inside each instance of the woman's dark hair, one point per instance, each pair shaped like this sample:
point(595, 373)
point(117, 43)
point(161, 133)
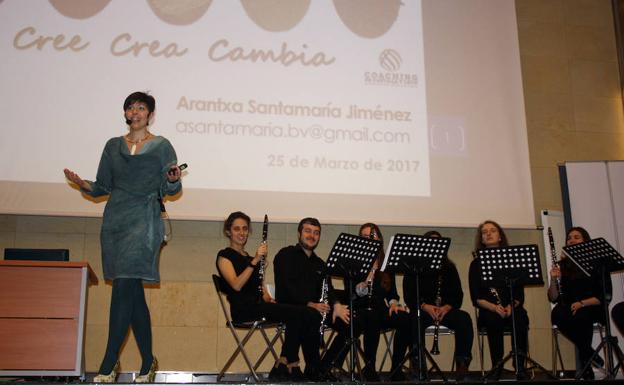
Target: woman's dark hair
point(479, 240)
point(581, 231)
point(432, 233)
point(374, 227)
point(140, 97)
point(569, 268)
point(227, 225)
point(385, 279)
point(446, 262)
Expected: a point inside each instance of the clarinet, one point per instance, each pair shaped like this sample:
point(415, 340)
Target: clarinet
point(370, 280)
point(435, 350)
point(265, 233)
point(495, 293)
point(324, 299)
point(553, 255)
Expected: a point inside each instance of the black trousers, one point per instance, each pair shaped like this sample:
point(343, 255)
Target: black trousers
point(370, 323)
point(460, 322)
point(291, 315)
point(495, 327)
point(579, 327)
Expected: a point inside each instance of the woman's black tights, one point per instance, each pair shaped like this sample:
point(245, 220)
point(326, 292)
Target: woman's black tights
point(128, 308)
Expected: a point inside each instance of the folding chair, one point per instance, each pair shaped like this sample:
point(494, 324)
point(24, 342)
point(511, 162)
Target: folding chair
point(388, 337)
point(482, 333)
point(260, 325)
point(443, 331)
point(556, 354)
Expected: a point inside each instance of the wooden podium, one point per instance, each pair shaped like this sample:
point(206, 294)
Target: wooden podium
point(42, 317)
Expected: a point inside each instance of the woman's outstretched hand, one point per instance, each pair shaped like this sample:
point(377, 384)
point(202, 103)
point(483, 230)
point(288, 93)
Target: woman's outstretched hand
point(75, 178)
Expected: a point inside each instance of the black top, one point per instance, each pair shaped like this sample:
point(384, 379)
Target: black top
point(250, 292)
point(299, 278)
point(450, 289)
point(384, 290)
point(480, 291)
point(576, 286)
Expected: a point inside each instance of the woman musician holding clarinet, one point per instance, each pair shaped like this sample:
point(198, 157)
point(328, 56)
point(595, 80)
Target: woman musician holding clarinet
point(376, 308)
point(441, 297)
point(494, 303)
point(249, 300)
point(578, 299)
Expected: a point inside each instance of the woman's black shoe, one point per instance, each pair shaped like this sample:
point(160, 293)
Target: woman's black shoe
point(370, 374)
point(279, 373)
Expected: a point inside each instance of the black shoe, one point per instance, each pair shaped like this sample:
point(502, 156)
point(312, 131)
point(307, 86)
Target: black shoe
point(461, 371)
point(370, 374)
point(313, 374)
point(279, 373)
point(523, 375)
point(496, 374)
point(588, 374)
point(598, 361)
point(398, 376)
point(296, 375)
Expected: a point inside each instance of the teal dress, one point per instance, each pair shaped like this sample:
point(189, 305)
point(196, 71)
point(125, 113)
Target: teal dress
point(132, 228)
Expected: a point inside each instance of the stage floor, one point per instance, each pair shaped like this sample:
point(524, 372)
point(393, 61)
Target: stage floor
point(231, 379)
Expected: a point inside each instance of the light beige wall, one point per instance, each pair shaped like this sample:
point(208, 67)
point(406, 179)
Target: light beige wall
point(188, 325)
point(574, 112)
point(572, 98)
point(571, 87)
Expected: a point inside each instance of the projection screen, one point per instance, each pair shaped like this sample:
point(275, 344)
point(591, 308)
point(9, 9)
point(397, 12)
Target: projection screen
point(401, 112)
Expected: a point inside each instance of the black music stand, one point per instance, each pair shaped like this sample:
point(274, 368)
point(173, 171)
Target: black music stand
point(415, 255)
point(512, 265)
point(599, 257)
point(351, 258)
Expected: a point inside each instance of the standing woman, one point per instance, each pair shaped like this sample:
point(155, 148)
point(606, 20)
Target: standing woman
point(249, 298)
point(579, 300)
point(494, 302)
point(136, 171)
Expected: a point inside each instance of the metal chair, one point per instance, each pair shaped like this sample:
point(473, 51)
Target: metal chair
point(443, 331)
point(260, 325)
point(388, 338)
point(556, 351)
point(482, 333)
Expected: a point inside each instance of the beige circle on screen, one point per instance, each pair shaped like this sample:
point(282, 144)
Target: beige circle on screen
point(276, 15)
point(179, 12)
point(368, 18)
point(79, 9)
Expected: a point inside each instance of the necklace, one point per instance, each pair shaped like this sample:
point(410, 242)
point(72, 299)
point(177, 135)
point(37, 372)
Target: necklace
point(135, 142)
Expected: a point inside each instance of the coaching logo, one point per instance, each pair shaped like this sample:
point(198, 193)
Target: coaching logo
point(390, 62)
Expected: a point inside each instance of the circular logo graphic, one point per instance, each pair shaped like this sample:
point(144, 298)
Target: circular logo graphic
point(276, 15)
point(179, 12)
point(368, 18)
point(390, 60)
point(79, 9)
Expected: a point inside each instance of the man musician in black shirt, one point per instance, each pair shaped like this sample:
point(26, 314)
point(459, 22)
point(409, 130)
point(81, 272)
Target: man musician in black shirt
point(441, 298)
point(299, 280)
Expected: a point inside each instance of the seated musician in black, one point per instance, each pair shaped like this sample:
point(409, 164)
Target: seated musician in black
point(579, 299)
point(441, 297)
point(249, 300)
point(299, 276)
point(375, 312)
point(494, 302)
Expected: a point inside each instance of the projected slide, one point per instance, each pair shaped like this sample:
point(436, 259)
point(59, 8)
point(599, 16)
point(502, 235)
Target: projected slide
point(257, 101)
point(396, 111)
